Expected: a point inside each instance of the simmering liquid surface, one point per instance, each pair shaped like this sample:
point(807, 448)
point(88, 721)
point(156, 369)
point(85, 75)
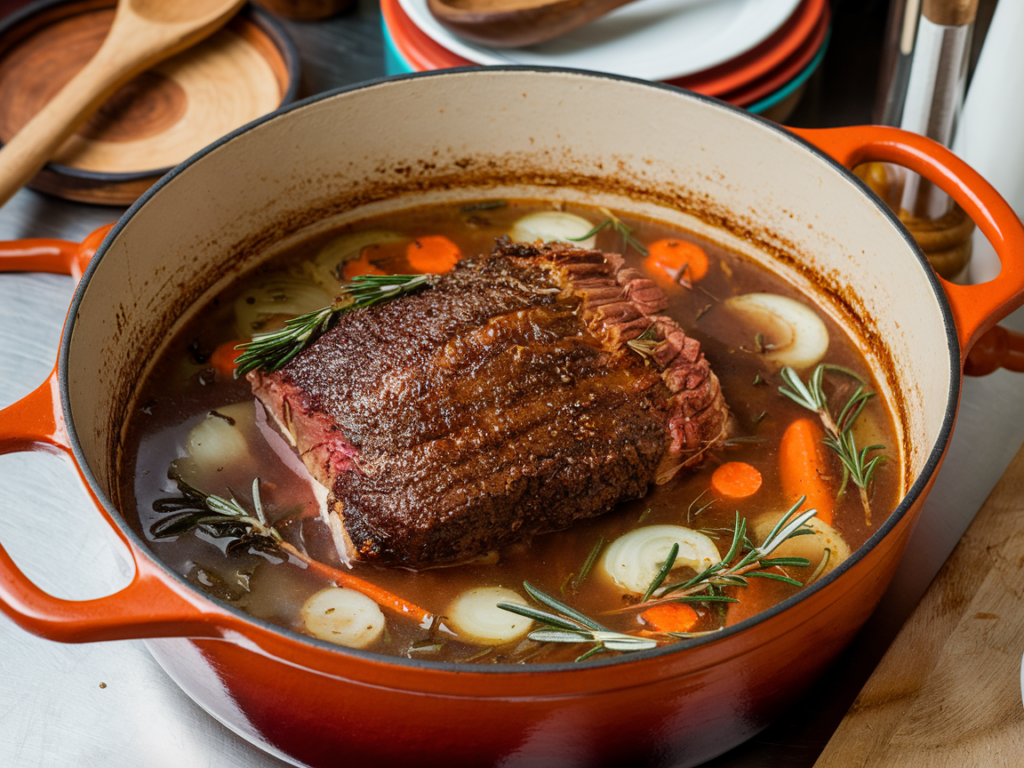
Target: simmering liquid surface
point(184, 388)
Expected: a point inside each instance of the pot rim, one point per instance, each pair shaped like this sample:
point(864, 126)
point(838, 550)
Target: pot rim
point(140, 547)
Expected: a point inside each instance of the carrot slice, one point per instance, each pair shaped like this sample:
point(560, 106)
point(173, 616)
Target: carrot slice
point(670, 617)
point(379, 595)
point(736, 479)
point(680, 259)
point(223, 358)
point(360, 266)
point(803, 467)
point(432, 254)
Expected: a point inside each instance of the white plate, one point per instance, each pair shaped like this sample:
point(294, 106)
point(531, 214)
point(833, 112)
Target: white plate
point(651, 39)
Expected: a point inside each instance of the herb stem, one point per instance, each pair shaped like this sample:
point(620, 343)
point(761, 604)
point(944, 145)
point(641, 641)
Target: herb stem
point(273, 350)
point(839, 431)
point(198, 509)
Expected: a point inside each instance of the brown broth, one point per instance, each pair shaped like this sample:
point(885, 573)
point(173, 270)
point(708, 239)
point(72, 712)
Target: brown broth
point(183, 389)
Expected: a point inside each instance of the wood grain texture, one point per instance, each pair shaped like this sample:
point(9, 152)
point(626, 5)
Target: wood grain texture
point(948, 692)
point(950, 13)
point(158, 118)
point(154, 121)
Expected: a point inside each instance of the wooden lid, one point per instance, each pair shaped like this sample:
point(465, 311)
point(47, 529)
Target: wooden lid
point(156, 120)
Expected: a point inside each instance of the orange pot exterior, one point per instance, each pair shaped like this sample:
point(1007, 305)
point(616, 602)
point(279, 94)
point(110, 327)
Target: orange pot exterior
point(688, 706)
point(319, 705)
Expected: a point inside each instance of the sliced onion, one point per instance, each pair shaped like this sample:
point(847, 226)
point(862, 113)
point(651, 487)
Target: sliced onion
point(797, 336)
point(214, 443)
point(809, 546)
point(327, 266)
point(282, 295)
point(476, 617)
point(553, 226)
point(219, 440)
point(343, 616)
point(633, 560)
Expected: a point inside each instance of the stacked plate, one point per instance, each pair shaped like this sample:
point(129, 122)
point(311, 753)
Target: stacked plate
point(756, 54)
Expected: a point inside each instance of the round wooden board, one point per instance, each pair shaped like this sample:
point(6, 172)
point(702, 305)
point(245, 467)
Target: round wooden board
point(156, 120)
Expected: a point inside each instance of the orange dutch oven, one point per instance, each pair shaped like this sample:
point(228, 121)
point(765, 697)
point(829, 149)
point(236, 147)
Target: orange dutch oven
point(784, 198)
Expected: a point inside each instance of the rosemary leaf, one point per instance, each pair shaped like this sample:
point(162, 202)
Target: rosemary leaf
point(588, 564)
point(689, 635)
point(704, 599)
point(273, 350)
point(476, 656)
point(542, 616)
point(626, 232)
point(560, 636)
point(857, 465)
point(176, 525)
point(831, 367)
point(592, 652)
point(257, 502)
point(737, 539)
point(670, 561)
point(613, 641)
point(562, 608)
point(425, 648)
point(775, 577)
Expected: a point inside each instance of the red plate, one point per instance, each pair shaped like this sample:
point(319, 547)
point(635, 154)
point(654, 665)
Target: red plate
point(758, 89)
point(797, 40)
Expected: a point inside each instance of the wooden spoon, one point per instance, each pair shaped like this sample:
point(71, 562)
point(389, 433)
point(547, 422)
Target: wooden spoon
point(514, 23)
point(144, 33)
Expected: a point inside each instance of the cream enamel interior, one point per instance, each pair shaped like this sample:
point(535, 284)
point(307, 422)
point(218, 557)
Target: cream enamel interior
point(507, 133)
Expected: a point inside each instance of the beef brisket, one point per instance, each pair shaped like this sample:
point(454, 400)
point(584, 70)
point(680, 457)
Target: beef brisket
point(503, 402)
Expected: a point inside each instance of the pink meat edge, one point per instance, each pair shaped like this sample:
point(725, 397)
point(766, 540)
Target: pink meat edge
point(284, 442)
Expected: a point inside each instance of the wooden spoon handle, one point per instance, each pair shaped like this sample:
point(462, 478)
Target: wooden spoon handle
point(144, 32)
point(39, 139)
point(41, 136)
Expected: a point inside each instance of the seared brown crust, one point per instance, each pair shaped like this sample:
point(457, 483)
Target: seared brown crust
point(501, 403)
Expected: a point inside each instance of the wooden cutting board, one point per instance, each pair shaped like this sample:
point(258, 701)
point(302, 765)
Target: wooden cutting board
point(948, 691)
point(157, 119)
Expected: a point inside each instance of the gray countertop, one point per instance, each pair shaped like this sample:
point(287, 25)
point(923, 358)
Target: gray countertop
point(110, 704)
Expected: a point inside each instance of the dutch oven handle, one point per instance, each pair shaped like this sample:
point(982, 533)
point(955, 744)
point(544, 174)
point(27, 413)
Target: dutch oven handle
point(976, 308)
point(148, 607)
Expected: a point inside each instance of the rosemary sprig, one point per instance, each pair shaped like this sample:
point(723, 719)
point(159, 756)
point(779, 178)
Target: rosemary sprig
point(645, 343)
point(615, 223)
point(214, 514)
point(273, 350)
point(662, 574)
point(567, 625)
point(857, 465)
point(743, 561)
point(227, 517)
